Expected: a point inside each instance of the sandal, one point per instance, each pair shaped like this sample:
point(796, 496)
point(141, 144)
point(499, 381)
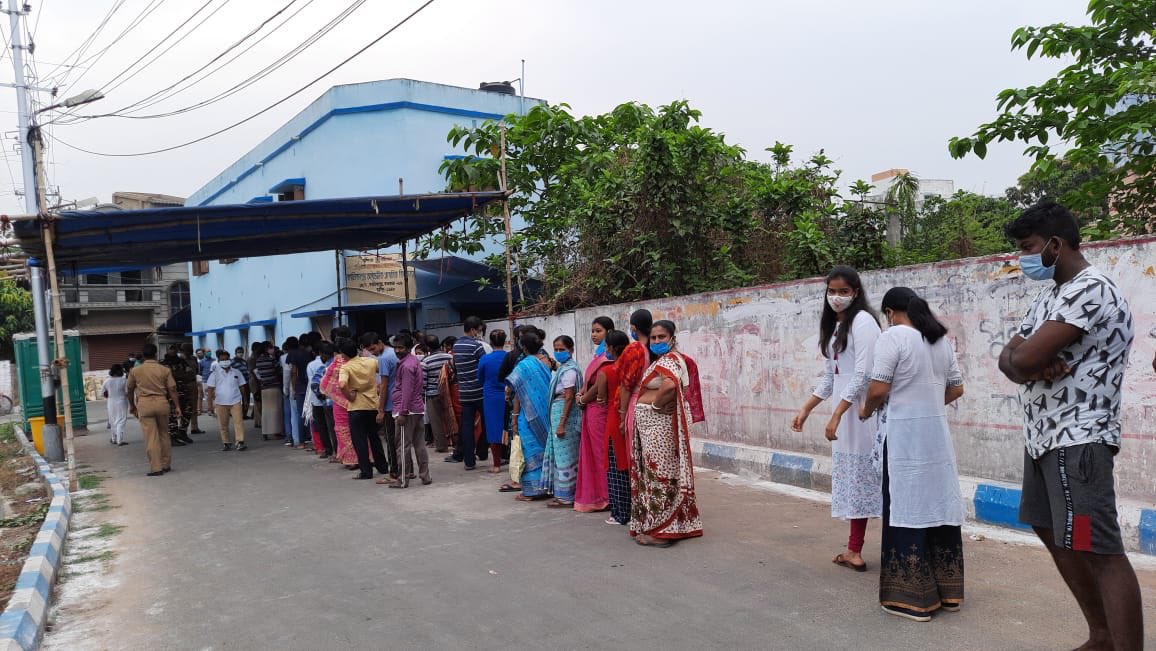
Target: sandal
point(509, 488)
point(525, 498)
point(392, 483)
point(839, 560)
point(611, 520)
point(559, 504)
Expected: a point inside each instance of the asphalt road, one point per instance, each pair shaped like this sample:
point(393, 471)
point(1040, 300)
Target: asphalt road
point(273, 549)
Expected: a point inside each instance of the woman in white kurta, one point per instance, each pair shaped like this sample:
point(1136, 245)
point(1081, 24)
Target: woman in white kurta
point(917, 375)
point(114, 390)
point(848, 330)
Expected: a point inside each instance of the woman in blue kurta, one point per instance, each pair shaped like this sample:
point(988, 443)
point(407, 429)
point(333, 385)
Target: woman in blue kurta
point(530, 417)
point(560, 461)
point(494, 397)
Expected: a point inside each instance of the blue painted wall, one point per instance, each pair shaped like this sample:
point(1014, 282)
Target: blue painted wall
point(355, 140)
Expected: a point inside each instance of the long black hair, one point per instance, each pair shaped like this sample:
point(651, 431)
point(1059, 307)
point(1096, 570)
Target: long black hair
point(904, 299)
point(617, 341)
point(830, 317)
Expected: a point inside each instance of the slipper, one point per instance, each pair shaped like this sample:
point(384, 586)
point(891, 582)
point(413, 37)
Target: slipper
point(509, 488)
point(361, 477)
point(839, 560)
point(392, 483)
point(559, 505)
point(611, 520)
point(523, 498)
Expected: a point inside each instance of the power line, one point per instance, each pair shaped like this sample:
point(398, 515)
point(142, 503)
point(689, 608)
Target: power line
point(267, 108)
point(87, 42)
point(243, 84)
point(109, 88)
point(161, 94)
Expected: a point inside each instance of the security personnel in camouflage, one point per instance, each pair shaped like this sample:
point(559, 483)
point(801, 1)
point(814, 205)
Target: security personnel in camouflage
point(185, 374)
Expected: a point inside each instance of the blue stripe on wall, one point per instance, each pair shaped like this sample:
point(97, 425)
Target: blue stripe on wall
point(1148, 531)
point(998, 505)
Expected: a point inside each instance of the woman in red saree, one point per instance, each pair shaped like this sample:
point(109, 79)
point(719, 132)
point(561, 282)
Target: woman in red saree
point(591, 493)
point(663, 506)
point(329, 386)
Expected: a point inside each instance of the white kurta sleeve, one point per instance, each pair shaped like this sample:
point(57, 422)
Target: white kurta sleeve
point(825, 384)
point(864, 334)
point(886, 358)
point(954, 376)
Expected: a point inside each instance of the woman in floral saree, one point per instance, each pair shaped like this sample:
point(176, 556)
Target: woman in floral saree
point(329, 386)
point(663, 507)
point(530, 416)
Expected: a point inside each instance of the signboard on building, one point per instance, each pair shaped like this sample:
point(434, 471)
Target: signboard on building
point(379, 277)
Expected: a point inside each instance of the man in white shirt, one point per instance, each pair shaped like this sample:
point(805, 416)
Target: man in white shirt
point(224, 389)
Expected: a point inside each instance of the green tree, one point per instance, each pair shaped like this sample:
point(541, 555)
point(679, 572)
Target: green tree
point(15, 314)
point(1101, 108)
point(964, 225)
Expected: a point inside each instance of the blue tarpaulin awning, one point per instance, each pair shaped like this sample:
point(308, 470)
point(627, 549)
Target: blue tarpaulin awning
point(159, 236)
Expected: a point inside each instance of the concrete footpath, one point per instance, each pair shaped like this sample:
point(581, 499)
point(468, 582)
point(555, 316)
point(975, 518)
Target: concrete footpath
point(273, 549)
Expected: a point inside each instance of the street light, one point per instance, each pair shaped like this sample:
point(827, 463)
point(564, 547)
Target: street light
point(76, 100)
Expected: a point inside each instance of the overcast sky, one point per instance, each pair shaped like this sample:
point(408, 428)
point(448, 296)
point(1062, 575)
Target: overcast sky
point(875, 84)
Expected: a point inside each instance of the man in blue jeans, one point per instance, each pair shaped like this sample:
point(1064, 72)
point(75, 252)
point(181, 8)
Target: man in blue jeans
point(297, 358)
point(468, 352)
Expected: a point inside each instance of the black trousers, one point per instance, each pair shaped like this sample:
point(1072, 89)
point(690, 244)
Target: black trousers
point(324, 424)
point(363, 431)
point(467, 436)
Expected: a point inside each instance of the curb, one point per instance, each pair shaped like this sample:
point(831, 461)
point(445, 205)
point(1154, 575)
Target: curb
point(22, 624)
point(985, 501)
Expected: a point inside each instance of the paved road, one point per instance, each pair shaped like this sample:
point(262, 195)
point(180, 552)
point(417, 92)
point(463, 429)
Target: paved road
point(272, 549)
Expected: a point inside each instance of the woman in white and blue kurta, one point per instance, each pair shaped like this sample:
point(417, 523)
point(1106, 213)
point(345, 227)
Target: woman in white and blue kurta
point(917, 376)
point(847, 333)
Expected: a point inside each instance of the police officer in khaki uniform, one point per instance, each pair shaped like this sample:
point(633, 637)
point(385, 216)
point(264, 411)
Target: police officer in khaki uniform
point(150, 388)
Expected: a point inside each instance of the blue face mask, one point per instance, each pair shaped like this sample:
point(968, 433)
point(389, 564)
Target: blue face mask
point(562, 357)
point(610, 357)
point(660, 348)
point(600, 349)
point(634, 335)
point(1033, 267)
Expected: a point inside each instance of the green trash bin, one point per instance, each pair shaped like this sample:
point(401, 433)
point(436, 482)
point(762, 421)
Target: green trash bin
point(28, 378)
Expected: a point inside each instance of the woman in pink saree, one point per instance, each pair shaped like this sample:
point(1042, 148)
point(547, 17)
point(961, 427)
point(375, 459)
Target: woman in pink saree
point(329, 386)
point(592, 493)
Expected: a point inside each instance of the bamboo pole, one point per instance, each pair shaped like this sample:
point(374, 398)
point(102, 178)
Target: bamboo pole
point(502, 185)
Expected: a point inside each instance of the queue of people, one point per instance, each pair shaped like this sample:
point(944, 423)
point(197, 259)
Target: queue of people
point(614, 435)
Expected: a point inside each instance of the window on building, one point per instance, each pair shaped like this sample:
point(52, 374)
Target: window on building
point(96, 279)
point(131, 277)
point(292, 193)
point(178, 296)
point(200, 267)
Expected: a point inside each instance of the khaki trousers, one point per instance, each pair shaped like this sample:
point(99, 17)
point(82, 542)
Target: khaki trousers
point(411, 437)
point(436, 409)
point(226, 412)
point(153, 412)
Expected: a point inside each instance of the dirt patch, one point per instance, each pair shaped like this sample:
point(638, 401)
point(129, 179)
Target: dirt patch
point(25, 501)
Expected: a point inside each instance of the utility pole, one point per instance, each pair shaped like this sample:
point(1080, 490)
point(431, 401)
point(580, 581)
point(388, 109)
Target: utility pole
point(32, 205)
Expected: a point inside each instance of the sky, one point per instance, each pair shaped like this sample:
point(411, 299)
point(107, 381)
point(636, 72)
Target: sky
point(875, 85)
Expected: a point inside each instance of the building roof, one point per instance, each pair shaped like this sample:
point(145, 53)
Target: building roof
point(150, 197)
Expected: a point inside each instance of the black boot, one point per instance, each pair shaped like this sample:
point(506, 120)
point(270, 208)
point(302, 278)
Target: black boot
point(177, 443)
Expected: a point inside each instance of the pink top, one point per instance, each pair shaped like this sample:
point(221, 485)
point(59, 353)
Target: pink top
point(409, 387)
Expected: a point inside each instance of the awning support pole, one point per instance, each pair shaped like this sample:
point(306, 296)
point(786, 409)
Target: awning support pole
point(502, 185)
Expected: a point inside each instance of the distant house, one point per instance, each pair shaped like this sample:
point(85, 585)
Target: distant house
point(882, 183)
point(355, 140)
point(117, 312)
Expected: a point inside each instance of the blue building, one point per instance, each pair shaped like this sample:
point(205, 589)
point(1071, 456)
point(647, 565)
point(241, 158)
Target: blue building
point(355, 140)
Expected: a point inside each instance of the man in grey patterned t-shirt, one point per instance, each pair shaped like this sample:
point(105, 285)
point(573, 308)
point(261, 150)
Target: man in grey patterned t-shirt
point(1069, 359)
